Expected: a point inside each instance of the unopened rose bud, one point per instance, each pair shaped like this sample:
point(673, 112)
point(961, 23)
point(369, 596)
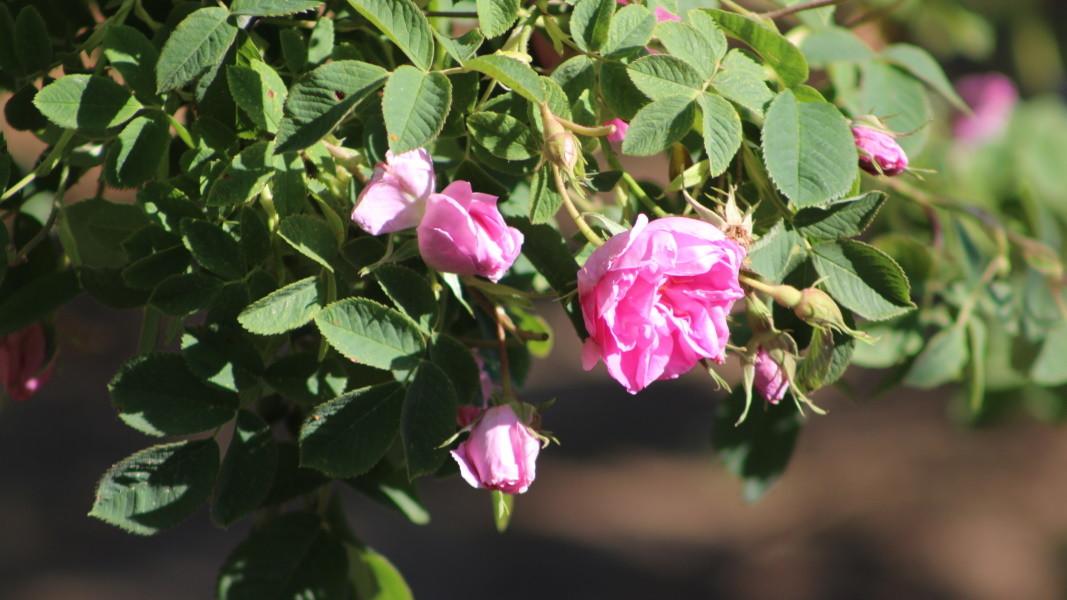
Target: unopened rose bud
point(501, 452)
point(816, 307)
point(620, 130)
point(561, 148)
point(770, 380)
point(880, 154)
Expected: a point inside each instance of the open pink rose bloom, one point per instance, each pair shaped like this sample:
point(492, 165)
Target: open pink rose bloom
point(656, 298)
point(463, 232)
point(770, 381)
point(395, 196)
point(22, 362)
point(500, 454)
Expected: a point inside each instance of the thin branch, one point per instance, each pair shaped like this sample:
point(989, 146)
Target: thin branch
point(782, 12)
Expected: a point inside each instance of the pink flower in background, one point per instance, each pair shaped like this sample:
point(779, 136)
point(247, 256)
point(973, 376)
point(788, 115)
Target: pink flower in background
point(662, 14)
point(620, 130)
point(467, 414)
point(880, 154)
point(992, 97)
point(500, 454)
point(395, 197)
point(770, 381)
point(22, 362)
point(483, 377)
point(463, 232)
point(655, 299)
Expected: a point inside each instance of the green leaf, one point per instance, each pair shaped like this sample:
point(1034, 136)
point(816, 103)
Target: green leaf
point(410, 292)
point(8, 59)
point(513, 74)
point(134, 56)
point(547, 250)
point(323, 98)
point(897, 96)
point(464, 47)
point(403, 23)
point(86, 102)
point(148, 272)
point(134, 156)
point(1049, 367)
point(495, 17)
point(255, 236)
point(213, 248)
point(842, 219)
point(33, 300)
point(776, 253)
point(247, 471)
point(185, 293)
point(289, 184)
point(722, 132)
point(196, 46)
point(660, 76)
point(259, 92)
point(272, 8)
point(348, 435)
point(429, 419)
point(289, 558)
point(321, 42)
point(415, 105)
point(157, 394)
point(219, 354)
point(158, 487)
point(108, 287)
point(743, 82)
point(619, 91)
point(454, 358)
point(919, 63)
point(374, 577)
point(503, 135)
point(294, 49)
point(283, 310)
point(388, 485)
point(245, 177)
point(545, 199)
point(701, 48)
point(758, 450)
point(311, 237)
point(658, 125)
point(591, 22)
point(630, 31)
point(941, 361)
point(834, 44)
point(302, 378)
point(809, 150)
point(33, 44)
point(863, 279)
point(786, 59)
point(369, 333)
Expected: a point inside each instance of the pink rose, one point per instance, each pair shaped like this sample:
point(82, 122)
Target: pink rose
point(880, 154)
point(655, 299)
point(462, 232)
point(770, 381)
point(662, 14)
point(620, 130)
point(395, 197)
point(22, 362)
point(992, 97)
point(500, 454)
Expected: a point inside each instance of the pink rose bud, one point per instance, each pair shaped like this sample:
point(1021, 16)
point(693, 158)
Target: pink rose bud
point(463, 232)
point(620, 130)
point(655, 299)
point(22, 362)
point(395, 197)
point(880, 154)
point(992, 99)
point(500, 454)
point(770, 381)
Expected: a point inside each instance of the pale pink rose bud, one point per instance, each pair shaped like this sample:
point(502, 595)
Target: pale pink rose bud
point(395, 196)
point(770, 380)
point(462, 232)
point(620, 130)
point(880, 154)
point(22, 362)
point(655, 299)
point(992, 98)
point(500, 454)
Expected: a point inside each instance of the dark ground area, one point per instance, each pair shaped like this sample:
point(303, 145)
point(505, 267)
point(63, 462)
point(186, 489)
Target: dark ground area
point(884, 500)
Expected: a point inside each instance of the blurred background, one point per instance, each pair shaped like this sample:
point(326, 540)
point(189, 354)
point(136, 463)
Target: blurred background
point(889, 496)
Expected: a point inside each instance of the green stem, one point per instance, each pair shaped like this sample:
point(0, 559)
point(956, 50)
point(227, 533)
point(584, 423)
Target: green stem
point(40, 236)
point(149, 330)
point(788, 10)
point(576, 216)
point(635, 188)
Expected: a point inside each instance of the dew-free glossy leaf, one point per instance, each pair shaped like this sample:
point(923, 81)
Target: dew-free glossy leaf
point(863, 279)
point(86, 102)
point(403, 23)
point(247, 471)
point(658, 125)
point(428, 419)
point(371, 334)
point(285, 309)
point(722, 132)
point(415, 105)
point(195, 46)
point(496, 16)
point(134, 156)
point(346, 436)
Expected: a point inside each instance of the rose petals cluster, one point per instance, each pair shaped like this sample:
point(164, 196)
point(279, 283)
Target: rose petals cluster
point(500, 454)
point(620, 130)
point(880, 154)
point(655, 299)
point(460, 231)
point(770, 381)
point(992, 98)
point(22, 362)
